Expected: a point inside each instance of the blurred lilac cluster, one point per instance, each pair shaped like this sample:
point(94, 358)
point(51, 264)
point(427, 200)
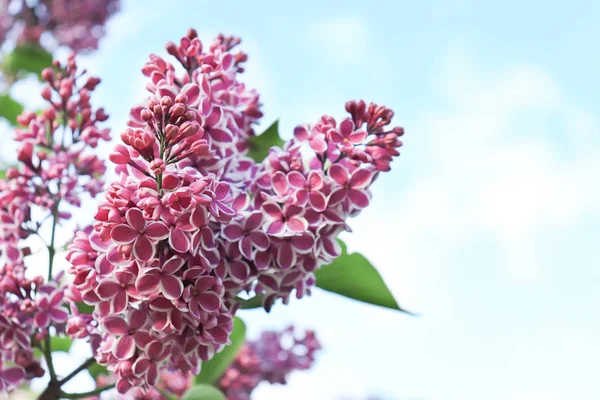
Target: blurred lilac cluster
point(270, 358)
point(77, 24)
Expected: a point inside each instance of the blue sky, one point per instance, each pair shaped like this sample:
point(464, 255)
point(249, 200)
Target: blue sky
point(489, 222)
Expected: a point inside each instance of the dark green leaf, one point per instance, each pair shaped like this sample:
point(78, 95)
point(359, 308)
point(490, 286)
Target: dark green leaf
point(96, 369)
point(260, 145)
point(255, 302)
point(204, 392)
point(10, 109)
point(26, 58)
point(353, 276)
point(84, 308)
point(60, 343)
point(214, 368)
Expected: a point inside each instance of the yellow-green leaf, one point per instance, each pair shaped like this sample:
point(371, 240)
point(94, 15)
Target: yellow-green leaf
point(353, 276)
point(96, 369)
point(10, 109)
point(214, 368)
point(204, 392)
point(60, 343)
point(26, 58)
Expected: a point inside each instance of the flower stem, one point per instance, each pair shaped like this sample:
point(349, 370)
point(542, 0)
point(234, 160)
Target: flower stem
point(51, 248)
point(48, 356)
point(83, 366)
point(86, 394)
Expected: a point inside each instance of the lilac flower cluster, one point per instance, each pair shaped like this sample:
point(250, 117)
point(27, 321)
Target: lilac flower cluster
point(55, 169)
point(270, 358)
point(77, 24)
point(193, 222)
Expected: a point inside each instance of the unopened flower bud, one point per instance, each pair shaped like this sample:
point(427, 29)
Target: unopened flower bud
point(91, 83)
point(47, 74)
point(172, 132)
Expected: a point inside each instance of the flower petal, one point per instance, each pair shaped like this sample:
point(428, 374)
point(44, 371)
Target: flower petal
point(192, 91)
point(173, 265)
point(274, 227)
point(239, 270)
point(318, 201)
point(315, 180)
point(220, 136)
point(171, 287)
point(119, 302)
point(233, 231)
point(115, 325)
point(360, 178)
point(272, 210)
point(260, 240)
point(143, 249)
point(359, 198)
point(303, 243)
point(135, 218)
point(179, 241)
point(124, 347)
point(339, 174)
point(245, 245)
point(297, 180)
point(253, 221)
point(147, 283)
point(123, 234)
point(297, 224)
point(286, 257)
point(137, 319)
point(280, 183)
point(107, 289)
point(209, 301)
point(59, 315)
point(13, 375)
point(41, 319)
point(156, 231)
point(357, 137)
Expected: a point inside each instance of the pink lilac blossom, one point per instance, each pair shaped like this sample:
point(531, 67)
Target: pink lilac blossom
point(77, 24)
point(271, 358)
point(198, 223)
point(55, 169)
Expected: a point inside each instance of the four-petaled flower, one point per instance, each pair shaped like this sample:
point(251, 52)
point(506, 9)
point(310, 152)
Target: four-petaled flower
point(249, 235)
point(283, 222)
point(147, 365)
point(308, 190)
point(118, 290)
point(140, 233)
point(353, 186)
point(346, 136)
point(48, 308)
point(10, 377)
point(129, 334)
point(163, 277)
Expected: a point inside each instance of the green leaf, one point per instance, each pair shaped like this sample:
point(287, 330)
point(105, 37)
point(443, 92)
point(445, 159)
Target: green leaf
point(10, 109)
point(260, 145)
point(2, 174)
point(96, 369)
point(84, 308)
point(26, 58)
point(214, 368)
point(353, 276)
point(60, 343)
point(204, 392)
point(255, 302)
